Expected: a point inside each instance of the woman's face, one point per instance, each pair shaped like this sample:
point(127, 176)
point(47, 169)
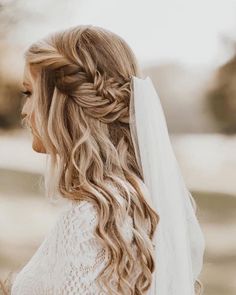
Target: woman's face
point(29, 93)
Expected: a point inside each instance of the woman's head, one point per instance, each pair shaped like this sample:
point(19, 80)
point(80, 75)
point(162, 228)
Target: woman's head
point(85, 67)
point(79, 81)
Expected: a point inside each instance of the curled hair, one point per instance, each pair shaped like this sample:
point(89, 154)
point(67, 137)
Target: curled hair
point(83, 79)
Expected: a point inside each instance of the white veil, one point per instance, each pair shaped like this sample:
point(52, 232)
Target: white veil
point(179, 242)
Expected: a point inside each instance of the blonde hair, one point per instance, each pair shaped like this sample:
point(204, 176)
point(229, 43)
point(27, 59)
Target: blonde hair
point(83, 91)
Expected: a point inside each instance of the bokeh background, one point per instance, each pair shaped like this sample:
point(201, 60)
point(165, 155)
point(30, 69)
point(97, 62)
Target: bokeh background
point(188, 48)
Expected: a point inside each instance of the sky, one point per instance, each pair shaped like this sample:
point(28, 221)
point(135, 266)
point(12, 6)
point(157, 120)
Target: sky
point(191, 32)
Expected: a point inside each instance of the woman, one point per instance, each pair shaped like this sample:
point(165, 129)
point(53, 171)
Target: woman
point(78, 89)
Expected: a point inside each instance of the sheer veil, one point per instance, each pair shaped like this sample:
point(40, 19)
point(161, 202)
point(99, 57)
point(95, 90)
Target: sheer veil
point(179, 242)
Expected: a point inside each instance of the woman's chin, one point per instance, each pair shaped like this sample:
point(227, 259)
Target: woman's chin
point(37, 147)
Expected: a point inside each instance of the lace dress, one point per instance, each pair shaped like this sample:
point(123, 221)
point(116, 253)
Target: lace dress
point(70, 257)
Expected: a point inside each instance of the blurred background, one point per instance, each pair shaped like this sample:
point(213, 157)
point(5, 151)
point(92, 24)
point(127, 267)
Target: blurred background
point(188, 48)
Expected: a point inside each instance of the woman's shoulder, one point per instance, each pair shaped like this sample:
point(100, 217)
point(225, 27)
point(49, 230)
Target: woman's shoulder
point(67, 252)
point(78, 215)
point(79, 206)
point(84, 216)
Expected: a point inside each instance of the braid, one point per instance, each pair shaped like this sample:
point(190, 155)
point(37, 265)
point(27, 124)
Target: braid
point(104, 99)
point(101, 97)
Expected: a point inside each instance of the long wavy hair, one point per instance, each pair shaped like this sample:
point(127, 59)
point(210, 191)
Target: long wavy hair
point(83, 79)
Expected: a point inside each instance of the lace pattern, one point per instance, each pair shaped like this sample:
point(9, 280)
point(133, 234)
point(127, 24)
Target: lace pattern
point(70, 257)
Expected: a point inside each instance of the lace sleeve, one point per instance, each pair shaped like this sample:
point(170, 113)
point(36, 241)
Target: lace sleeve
point(69, 259)
point(79, 255)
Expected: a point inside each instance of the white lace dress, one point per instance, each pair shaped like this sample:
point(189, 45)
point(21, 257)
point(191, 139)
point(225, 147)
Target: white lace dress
point(70, 257)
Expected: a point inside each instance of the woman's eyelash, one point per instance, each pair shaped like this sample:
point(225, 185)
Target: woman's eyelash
point(26, 93)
